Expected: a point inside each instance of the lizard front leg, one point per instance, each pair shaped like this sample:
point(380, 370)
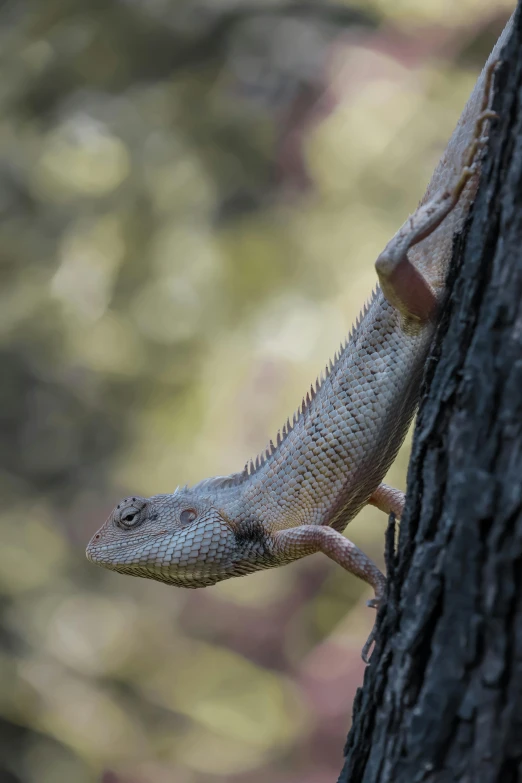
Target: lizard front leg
point(296, 542)
point(388, 499)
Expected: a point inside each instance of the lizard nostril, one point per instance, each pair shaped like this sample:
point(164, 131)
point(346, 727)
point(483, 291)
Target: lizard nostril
point(97, 537)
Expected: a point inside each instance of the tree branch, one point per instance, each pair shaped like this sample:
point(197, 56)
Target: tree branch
point(442, 697)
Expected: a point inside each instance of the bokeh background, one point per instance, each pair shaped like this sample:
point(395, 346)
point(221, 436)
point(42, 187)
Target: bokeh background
point(192, 195)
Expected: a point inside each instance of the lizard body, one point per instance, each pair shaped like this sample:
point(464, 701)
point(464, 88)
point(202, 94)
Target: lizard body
point(329, 462)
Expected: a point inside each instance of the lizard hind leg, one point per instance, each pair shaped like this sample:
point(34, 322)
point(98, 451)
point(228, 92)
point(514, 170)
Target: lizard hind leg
point(403, 284)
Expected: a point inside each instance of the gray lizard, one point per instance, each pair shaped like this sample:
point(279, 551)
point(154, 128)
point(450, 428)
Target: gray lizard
point(298, 497)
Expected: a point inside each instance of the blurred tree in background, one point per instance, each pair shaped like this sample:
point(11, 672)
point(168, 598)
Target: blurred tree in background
point(192, 195)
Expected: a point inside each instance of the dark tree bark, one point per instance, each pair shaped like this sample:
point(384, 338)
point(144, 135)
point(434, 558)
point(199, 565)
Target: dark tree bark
point(442, 697)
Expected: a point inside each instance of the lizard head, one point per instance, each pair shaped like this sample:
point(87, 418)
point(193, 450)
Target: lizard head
point(182, 539)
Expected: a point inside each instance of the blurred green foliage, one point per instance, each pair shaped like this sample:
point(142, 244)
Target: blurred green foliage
point(192, 194)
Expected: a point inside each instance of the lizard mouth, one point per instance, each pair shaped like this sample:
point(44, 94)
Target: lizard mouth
point(98, 552)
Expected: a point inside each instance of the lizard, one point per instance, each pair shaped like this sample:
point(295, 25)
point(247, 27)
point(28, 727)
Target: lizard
point(329, 461)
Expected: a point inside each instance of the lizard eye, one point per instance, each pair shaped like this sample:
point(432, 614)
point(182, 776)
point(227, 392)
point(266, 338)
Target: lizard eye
point(130, 512)
point(187, 515)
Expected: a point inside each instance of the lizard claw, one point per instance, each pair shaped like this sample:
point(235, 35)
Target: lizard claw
point(365, 652)
point(373, 603)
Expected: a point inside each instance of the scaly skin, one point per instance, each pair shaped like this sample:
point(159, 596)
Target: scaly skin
point(326, 465)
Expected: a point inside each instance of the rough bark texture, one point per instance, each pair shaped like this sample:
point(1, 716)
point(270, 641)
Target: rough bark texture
point(442, 697)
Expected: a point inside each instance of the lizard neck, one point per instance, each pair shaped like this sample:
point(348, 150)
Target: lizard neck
point(347, 434)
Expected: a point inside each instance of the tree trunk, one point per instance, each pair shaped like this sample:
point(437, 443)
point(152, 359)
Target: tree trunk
point(442, 697)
